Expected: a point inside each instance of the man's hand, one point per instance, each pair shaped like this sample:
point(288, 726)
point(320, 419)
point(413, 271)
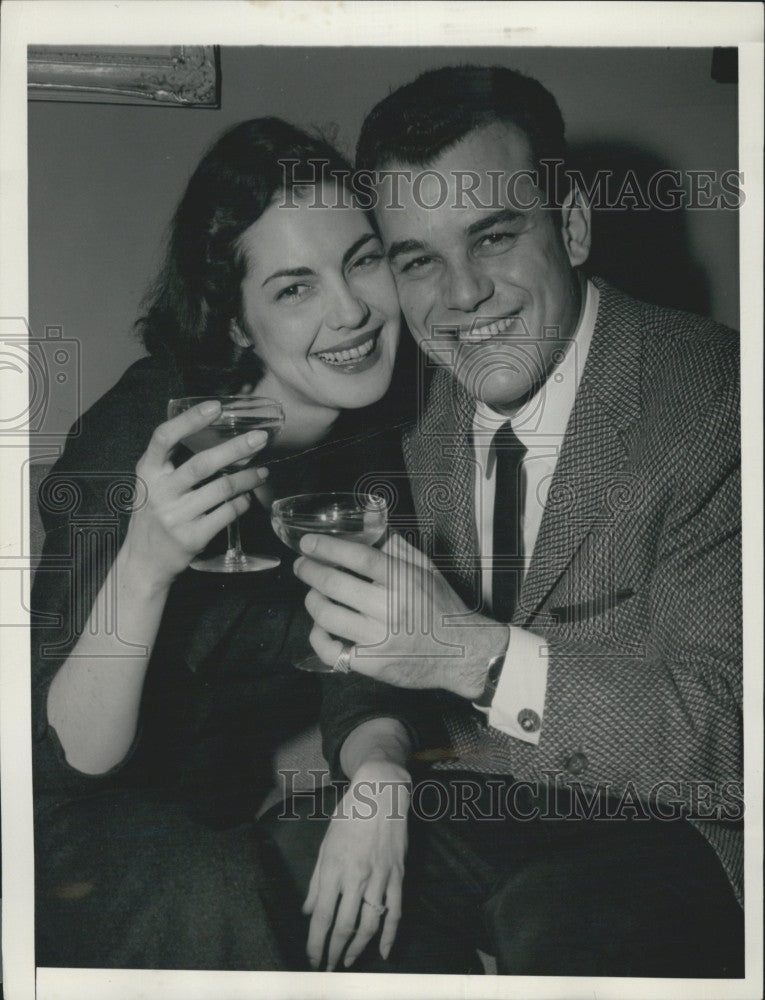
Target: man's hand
point(361, 864)
point(408, 626)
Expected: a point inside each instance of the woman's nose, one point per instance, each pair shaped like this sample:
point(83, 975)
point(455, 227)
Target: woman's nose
point(346, 310)
point(467, 287)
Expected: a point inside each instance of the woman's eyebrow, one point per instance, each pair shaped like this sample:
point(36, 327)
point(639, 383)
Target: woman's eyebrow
point(292, 272)
point(357, 246)
point(303, 272)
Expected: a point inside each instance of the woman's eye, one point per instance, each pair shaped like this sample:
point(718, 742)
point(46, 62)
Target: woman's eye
point(292, 293)
point(415, 264)
point(368, 260)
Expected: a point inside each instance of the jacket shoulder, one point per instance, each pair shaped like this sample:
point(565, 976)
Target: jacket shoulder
point(681, 352)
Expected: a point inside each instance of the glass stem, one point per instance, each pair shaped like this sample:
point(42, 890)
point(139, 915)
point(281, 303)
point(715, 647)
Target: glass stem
point(234, 552)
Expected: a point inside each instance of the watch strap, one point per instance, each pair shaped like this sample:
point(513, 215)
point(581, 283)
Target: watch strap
point(494, 672)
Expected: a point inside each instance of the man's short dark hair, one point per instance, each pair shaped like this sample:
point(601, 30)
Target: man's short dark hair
point(422, 119)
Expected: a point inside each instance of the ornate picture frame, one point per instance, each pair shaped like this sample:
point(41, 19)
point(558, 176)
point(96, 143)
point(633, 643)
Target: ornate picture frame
point(168, 76)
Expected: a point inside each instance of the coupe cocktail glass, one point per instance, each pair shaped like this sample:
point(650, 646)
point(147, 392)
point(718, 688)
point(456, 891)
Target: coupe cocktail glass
point(239, 414)
point(356, 517)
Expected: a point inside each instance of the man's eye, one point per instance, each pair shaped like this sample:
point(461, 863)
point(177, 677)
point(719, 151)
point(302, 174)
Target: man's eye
point(496, 239)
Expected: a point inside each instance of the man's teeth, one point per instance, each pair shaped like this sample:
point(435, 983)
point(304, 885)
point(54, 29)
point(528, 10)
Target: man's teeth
point(352, 354)
point(491, 330)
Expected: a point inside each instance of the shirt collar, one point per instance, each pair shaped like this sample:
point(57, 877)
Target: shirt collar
point(546, 413)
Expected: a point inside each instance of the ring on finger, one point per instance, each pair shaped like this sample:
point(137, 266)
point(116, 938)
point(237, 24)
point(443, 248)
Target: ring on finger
point(379, 910)
point(342, 664)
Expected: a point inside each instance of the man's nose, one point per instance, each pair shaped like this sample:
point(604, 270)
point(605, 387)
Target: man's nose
point(346, 310)
point(467, 287)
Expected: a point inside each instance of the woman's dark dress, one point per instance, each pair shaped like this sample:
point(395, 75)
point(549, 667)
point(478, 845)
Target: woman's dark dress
point(156, 864)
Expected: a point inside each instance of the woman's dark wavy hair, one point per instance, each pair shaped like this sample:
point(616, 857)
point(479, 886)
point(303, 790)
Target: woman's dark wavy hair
point(197, 293)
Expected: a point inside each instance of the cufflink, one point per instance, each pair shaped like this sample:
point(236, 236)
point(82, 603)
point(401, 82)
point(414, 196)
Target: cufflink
point(528, 720)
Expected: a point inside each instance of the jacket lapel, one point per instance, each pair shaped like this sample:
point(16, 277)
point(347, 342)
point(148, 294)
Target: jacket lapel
point(590, 472)
point(440, 463)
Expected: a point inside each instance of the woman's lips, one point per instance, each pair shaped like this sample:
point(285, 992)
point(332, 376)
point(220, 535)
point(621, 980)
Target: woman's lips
point(352, 355)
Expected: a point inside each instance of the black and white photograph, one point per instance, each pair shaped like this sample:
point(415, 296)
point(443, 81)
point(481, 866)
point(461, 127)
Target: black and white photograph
point(381, 519)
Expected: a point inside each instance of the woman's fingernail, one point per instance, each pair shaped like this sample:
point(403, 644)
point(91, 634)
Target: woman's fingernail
point(254, 438)
point(263, 472)
point(297, 563)
point(349, 960)
point(308, 543)
point(385, 952)
point(209, 407)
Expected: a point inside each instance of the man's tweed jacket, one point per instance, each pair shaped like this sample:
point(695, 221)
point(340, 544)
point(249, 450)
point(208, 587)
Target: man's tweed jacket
point(635, 579)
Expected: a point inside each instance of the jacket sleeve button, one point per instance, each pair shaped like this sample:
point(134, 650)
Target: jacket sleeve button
point(577, 763)
point(528, 720)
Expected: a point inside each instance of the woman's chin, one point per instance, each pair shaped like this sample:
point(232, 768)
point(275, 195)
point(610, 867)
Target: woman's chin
point(357, 385)
point(361, 390)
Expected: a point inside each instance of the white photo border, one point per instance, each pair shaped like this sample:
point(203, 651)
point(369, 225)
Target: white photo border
point(222, 22)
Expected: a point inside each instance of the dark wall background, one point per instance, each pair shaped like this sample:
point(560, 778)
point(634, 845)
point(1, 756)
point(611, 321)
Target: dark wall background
point(104, 179)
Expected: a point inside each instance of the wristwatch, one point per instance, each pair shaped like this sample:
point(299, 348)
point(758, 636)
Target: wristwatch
point(494, 672)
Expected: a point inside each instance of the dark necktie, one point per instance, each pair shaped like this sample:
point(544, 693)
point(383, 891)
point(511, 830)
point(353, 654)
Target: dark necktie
point(507, 550)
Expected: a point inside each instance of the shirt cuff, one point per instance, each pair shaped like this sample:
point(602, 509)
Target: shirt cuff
point(518, 704)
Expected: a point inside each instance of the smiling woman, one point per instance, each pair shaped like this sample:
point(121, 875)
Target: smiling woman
point(153, 741)
point(319, 308)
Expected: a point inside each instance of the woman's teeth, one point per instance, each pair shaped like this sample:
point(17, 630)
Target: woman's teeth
point(491, 330)
point(352, 354)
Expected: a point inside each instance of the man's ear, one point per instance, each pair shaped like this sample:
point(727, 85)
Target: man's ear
point(576, 230)
point(238, 335)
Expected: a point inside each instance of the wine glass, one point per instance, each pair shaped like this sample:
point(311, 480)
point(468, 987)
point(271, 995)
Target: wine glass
point(239, 414)
point(356, 517)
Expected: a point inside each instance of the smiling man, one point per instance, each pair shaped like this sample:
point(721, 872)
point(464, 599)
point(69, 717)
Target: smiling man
point(575, 625)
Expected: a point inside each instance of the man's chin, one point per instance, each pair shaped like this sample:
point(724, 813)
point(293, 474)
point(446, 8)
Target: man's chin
point(497, 390)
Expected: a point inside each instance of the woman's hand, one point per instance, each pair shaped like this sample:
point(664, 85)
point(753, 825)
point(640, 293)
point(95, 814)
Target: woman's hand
point(361, 862)
point(179, 517)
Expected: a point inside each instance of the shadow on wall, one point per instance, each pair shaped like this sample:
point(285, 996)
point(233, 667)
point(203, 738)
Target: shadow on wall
point(639, 247)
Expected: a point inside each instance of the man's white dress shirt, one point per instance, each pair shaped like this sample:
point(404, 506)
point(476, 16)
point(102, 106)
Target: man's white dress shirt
point(540, 426)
